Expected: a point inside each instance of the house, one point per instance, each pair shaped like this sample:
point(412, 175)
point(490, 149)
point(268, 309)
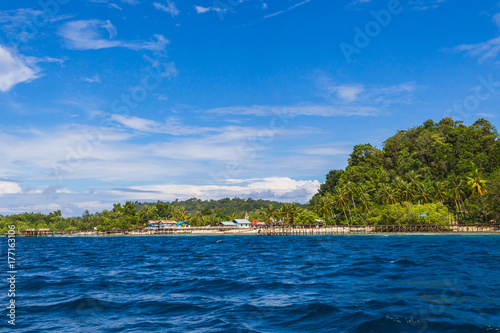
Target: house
point(160, 224)
point(227, 224)
point(183, 224)
point(241, 223)
point(153, 225)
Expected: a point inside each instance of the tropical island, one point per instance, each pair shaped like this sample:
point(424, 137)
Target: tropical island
point(447, 172)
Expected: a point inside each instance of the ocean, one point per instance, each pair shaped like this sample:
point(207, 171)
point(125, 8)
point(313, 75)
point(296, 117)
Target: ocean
point(349, 283)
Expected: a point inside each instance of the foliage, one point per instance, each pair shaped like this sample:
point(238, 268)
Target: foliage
point(444, 163)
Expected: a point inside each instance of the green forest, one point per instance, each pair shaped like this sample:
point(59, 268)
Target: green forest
point(447, 169)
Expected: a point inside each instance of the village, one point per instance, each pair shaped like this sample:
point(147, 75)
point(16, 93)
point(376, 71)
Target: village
point(166, 224)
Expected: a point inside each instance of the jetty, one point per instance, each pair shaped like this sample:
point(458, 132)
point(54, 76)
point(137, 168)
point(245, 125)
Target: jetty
point(276, 230)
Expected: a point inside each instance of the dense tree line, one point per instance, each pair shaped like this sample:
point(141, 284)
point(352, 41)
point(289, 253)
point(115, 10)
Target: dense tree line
point(134, 214)
point(446, 169)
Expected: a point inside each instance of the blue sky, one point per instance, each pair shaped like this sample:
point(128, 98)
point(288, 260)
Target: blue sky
point(105, 101)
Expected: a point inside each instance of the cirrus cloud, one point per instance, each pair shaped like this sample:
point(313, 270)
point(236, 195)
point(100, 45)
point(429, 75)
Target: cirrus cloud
point(97, 34)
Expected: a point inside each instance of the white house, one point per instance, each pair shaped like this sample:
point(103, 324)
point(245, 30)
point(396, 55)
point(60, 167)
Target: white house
point(242, 223)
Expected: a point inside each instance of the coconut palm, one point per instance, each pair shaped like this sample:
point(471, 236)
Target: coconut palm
point(289, 211)
point(405, 191)
point(324, 206)
point(413, 178)
point(341, 201)
point(351, 191)
point(476, 183)
point(439, 191)
point(424, 193)
point(364, 197)
point(211, 219)
point(278, 215)
point(456, 191)
point(181, 214)
point(269, 214)
point(387, 195)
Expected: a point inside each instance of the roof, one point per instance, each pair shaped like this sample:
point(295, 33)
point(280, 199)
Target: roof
point(227, 223)
point(183, 222)
point(241, 221)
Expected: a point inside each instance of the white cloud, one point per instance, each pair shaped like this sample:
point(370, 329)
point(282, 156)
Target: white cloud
point(286, 10)
point(496, 19)
point(484, 50)
point(364, 95)
point(131, 2)
point(169, 8)
point(425, 4)
point(273, 188)
point(343, 100)
point(485, 115)
point(90, 35)
point(7, 187)
point(171, 126)
point(92, 79)
point(348, 93)
point(18, 23)
point(298, 110)
point(201, 9)
point(110, 154)
point(326, 149)
point(115, 6)
point(15, 69)
point(413, 4)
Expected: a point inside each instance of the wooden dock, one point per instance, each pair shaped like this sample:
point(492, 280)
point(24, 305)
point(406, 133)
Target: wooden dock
point(287, 230)
point(376, 229)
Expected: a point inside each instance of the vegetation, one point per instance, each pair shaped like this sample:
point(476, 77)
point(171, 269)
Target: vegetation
point(134, 214)
point(446, 169)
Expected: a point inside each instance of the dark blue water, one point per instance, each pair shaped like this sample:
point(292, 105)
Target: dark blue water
point(397, 283)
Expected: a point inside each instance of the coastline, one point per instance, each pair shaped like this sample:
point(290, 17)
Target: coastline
point(283, 231)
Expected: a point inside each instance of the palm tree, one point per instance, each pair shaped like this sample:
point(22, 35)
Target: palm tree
point(456, 192)
point(364, 197)
point(181, 214)
point(350, 192)
point(269, 214)
point(211, 219)
point(476, 183)
point(413, 177)
point(278, 215)
point(387, 195)
point(440, 191)
point(424, 193)
point(324, 205)
point(341, 201)
point(405, 191)
point(289, 211)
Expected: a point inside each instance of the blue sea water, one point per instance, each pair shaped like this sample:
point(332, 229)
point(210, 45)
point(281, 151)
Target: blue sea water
point(396, 283)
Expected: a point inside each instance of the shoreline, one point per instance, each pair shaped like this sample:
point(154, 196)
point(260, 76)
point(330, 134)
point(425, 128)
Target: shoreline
point(282, 231)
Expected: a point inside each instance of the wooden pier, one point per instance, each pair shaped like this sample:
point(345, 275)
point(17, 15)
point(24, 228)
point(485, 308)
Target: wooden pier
point(287, 230)
point(376, 229)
